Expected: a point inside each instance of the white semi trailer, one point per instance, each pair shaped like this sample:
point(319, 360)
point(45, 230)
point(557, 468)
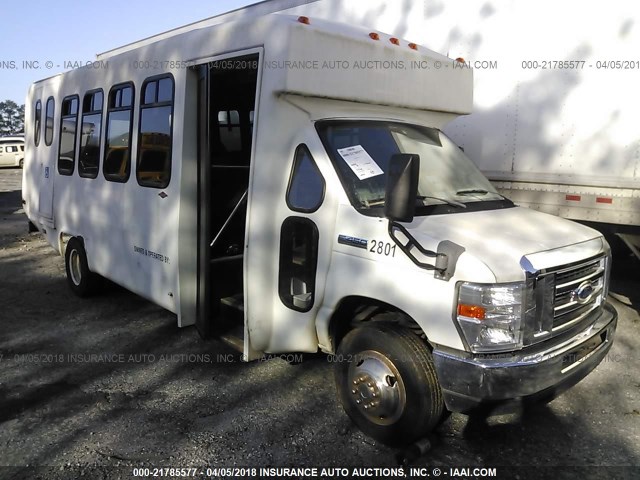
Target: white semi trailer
point(554, 124)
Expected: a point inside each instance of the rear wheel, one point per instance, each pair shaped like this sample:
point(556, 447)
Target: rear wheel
point(21, 163)
point(82, 281)
point(387, 383)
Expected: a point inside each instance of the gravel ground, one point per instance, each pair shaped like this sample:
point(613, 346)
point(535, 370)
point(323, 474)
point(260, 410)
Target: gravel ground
point(154, 395)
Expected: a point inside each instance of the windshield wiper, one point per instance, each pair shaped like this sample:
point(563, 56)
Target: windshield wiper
point(376, 202)
point(480, 191)
point(380, 201)
point(453, 203)
point(472, 191)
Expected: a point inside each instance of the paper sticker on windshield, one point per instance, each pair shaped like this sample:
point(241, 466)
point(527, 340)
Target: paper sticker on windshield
point(360, 162)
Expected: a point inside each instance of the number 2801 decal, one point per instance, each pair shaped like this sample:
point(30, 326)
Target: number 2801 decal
point(382, 248)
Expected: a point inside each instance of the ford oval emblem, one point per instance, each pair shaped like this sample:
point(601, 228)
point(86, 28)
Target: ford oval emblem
point(583, 293)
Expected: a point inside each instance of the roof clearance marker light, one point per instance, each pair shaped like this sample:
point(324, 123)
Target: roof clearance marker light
point(304, 20)
point(413, 46)
point(460, 60)
point(604, 200)
point(374, 36)
point(573, 198)
point(471, 311)
point(394, 40)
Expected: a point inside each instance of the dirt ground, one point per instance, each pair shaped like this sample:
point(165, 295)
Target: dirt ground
point(154, 395)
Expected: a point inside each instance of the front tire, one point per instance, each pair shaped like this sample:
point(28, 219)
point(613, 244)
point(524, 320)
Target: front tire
point(387, 383)
point(83, 282)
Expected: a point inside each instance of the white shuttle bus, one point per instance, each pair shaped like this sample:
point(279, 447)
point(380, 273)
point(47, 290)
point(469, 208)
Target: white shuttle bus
point(285, 182)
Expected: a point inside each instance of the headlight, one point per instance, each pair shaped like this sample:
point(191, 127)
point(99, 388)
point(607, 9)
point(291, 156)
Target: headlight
point(490, 316)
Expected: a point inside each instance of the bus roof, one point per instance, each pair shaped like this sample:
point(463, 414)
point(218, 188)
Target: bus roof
point(317, 58)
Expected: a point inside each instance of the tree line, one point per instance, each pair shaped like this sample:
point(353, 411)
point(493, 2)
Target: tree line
point(11, 118)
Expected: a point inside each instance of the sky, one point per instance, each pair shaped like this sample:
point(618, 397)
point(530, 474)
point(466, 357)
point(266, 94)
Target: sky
point(62, 31)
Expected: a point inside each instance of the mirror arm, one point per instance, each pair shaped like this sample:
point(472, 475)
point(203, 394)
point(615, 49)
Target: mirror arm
point(441, 258)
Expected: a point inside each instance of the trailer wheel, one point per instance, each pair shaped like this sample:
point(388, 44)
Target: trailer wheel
point(82, 281)
point(387, 383)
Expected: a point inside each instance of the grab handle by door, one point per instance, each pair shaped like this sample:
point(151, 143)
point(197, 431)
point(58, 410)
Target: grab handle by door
point(233, 212)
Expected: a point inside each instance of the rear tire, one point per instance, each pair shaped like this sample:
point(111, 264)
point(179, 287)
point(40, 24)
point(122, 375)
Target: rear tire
point(21, 163)
point(82, 281)
point(387, 383)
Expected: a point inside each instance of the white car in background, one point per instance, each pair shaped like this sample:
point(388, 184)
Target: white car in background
point(11, 151)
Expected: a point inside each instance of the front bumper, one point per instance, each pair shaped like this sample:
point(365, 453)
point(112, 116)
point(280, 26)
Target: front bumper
point(502, 383)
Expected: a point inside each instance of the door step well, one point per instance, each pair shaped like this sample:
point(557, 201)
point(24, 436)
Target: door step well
point(231, 321)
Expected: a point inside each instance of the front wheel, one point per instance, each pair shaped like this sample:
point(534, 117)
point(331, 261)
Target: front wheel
point(387, 383)
point(82, 281)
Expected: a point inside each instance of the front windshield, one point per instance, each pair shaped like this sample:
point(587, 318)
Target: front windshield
point(361, 151)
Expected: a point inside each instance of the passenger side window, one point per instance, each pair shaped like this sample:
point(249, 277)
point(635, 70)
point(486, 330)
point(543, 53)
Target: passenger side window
point(306, 185)
point(68, 127)
point(90, 134)
point(117, 153)
point(48, 122)
point(155, 136)
point(38, 123)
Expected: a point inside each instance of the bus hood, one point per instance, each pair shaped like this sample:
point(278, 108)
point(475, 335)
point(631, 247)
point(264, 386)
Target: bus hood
point(501, 238)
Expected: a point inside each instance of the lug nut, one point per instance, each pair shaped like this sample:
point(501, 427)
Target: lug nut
point(358, 401)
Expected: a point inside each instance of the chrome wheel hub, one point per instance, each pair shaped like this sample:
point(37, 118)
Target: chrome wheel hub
point(74, 267)
point(377, 388)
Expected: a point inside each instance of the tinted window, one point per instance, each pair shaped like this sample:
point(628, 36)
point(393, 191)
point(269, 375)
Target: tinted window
point(68, 128)
point(48, 126)
point(38, 123)
point(90, 135)
point(117, 155)
point(165, 89)
point(155, 136)
point(306, 186)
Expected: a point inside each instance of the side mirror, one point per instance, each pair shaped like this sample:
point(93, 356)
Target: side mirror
point(402, 187)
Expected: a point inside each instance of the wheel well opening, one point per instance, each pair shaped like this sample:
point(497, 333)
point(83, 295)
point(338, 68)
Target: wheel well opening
point(355, 311)
point(63, 240)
